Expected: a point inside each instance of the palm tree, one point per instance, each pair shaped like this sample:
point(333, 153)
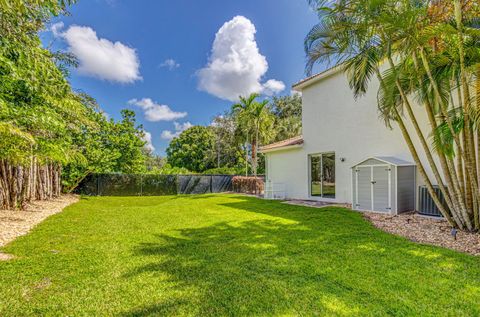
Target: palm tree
point(254, 123)
point(425, 53)
point(288, 127)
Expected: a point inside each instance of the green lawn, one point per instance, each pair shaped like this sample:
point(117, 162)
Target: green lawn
point(227, 255)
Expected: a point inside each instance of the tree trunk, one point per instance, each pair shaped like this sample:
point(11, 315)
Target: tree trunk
point(452, 202)
point(444, 110)
point(254, 156)
point(419, 163)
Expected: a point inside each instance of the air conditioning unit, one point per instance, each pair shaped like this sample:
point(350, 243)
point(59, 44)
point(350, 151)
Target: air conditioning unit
point(427, 206)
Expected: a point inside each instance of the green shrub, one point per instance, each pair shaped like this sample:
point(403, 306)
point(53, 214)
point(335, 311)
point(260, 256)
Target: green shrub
point(224, 171)
point(167, 169)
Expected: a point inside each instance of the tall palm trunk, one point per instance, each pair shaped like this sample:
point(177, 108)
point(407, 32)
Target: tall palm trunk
point(246, 157)
point(462, 152)
point(453, 202)
point(476, 214)
point(418, 162)
point(454, 189)
point(467, 104)
point(254, 156)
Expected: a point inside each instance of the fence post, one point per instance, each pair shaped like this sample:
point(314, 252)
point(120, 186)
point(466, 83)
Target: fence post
point(98, 184)
point(177, 182)
point(211, 185)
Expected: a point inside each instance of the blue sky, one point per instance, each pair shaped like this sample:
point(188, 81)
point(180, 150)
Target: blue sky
point(159, 57)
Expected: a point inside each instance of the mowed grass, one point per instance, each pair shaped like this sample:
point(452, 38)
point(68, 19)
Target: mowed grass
point(227, 255)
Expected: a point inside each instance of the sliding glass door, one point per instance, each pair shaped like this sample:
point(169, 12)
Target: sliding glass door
point(322, 175)
point(316, 175)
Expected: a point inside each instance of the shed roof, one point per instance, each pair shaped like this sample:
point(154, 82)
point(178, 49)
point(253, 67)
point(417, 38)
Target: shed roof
point(288, 143)
point(389, 160)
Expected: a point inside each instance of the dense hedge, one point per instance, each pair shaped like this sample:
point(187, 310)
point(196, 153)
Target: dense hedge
point(224, 171)
point(248, 185)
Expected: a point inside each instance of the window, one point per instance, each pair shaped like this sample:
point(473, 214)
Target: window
point(322, 175)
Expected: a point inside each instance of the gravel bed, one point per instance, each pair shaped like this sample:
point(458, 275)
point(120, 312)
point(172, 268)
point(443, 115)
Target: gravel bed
point(15, 223)
point(426, 230)
point(314, 203)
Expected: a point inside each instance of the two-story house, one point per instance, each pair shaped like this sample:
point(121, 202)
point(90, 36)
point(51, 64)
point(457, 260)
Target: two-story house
point(346, 153)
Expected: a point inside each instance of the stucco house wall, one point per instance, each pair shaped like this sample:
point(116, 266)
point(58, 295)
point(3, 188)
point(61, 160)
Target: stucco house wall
point(333, 121)
point(281, 170)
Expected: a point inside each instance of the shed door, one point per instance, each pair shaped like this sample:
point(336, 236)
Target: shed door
point(373, 188)
point(364, 188)
point(381, 185)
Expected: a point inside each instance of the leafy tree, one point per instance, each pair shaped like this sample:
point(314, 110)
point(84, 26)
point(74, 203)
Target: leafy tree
point(255, 123)
point(287, 106)
point(228, 151)
point(38, 108)
point(128, 140)
point(288, 116)
point(231, 131)
point(167, 169)
point(105, 146)
point(96, 154)
point(193, 149)
point(224, 171)
point(153, 162)
point(424, 51)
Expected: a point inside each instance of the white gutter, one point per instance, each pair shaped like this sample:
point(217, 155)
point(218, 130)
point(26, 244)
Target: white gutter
point(316, 78)
point(282, 148)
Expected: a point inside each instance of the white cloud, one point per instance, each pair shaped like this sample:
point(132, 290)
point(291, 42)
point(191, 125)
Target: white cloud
point(99, 57)
point(182, 126)
point(56, 28)
point(168, 135)
point(156, 112)
point(179, 128)
point(235, 65)
point(170, 63)
point(272, 87)
point(148, 138)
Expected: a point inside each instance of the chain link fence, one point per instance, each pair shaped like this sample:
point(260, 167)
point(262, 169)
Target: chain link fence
point(153, 185)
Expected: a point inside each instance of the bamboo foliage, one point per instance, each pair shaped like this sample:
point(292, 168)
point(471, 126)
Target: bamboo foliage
point(22, 184)
point(423, 53)
point(37, 106)
point(46, 128)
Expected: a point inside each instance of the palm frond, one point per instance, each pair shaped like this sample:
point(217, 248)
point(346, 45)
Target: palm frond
point(360, 70)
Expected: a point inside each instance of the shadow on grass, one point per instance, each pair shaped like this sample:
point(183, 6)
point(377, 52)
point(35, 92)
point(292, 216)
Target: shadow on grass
point(126, 201)
point(304, 261)
point(198, 196)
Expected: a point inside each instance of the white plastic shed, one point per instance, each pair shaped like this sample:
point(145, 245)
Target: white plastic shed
point(384, 184)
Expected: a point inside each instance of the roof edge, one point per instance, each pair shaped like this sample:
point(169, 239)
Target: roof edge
point(282, 148)
point(317, 77)
point(283, 145)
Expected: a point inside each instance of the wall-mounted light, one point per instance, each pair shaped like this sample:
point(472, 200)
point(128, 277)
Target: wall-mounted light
point(342, 159)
